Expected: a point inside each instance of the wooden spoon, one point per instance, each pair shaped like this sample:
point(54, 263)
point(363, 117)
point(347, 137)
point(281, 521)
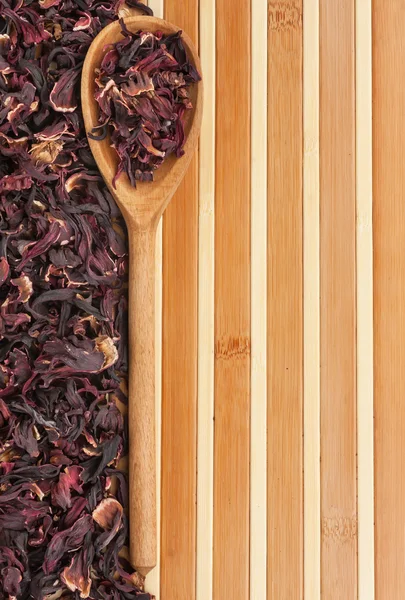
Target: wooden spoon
point(142, 208)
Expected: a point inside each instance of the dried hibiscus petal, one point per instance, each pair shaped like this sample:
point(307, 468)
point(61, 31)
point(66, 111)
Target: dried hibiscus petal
point(63, 97)
point(11, 579)
point(4, 270)
point(106, 513)
point(25, 288)
point(61, 491)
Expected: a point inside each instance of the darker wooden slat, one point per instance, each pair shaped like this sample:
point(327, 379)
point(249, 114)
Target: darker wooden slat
point(179, 368)
point(232, 302)
point(285, 303)
point(338, 301)
point(389, 295)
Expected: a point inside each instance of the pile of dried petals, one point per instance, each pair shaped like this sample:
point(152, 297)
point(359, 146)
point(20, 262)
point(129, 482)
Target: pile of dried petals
point(63, 524)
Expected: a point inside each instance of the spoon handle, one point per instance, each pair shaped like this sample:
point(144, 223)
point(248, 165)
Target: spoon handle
point(141, 403)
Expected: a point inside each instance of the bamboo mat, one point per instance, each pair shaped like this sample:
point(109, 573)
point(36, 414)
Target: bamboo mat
point(281, 303)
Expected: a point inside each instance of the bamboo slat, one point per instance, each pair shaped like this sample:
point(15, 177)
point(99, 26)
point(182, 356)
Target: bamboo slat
point(312, 502)
point(389, 295)
point(206, 260)
point(364, 238)
point(338, 301)
point(284, 302)
point(258, 407)
point(179, 369)
point(232, 302)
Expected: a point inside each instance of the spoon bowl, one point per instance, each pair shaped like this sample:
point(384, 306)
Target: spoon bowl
point(149, 198)
point(141, 208)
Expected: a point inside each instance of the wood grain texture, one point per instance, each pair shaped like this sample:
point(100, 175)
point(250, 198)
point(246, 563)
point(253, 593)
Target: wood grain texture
point(232, 302)
point(338, 301)
point(312, 500)
point(179, 370)
point(389, 295)
point(284, 303)
point(364, 260)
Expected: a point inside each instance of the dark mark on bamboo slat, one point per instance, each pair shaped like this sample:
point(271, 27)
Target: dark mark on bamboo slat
point(232, 347)
point(284, 16)
point(339, 528)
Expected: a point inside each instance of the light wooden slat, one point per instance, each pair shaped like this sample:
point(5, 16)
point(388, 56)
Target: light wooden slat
point(232, 301)
point(312, 501)
point(338, 301)
point(179, 370)
point(179, 393)
point(389, 295)
point(206, 260)
point(152, 582)
point(258, 407)
point(284, 304)
point(364, 239)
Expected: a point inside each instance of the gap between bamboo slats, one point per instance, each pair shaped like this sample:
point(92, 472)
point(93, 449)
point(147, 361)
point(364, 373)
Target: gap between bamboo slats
point(338, 301)
point(206, 260)
point(258, 406)
point(232, 301)
point(364, 239)
point(284, 302)
point(312, 506)
point(179, 367)
point(389, 295)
